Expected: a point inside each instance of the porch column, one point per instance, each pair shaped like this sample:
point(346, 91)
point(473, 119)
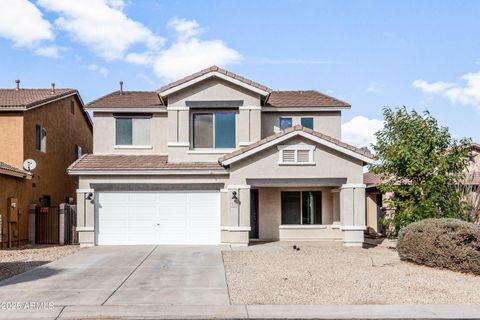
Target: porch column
point(239, 214)
point(86, 217)
point(352, 213)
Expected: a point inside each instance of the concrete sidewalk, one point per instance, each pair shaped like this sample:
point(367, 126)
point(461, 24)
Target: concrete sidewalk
point(253, 312)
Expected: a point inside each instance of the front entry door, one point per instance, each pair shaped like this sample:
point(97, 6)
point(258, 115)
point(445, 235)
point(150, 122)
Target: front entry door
point(254, 214)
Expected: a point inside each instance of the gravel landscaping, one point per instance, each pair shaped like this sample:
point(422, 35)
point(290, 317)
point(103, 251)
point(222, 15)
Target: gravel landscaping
point(20, 259)
point(269, 274)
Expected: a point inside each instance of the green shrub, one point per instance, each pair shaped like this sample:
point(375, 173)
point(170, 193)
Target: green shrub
point(443, 243)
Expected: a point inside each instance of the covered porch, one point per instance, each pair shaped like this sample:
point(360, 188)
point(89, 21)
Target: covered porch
point(298, 209)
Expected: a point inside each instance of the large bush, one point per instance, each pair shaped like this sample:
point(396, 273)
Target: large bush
point(444, 243)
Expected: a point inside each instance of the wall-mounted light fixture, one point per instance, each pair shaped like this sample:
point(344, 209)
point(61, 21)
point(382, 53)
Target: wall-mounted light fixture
point(90, 196)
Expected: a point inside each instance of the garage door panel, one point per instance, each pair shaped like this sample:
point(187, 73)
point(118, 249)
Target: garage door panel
point(159, 218)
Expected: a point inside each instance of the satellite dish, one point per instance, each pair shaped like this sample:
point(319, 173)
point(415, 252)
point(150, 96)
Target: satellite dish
point(29, 164)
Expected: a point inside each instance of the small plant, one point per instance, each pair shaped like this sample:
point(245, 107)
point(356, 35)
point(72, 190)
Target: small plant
point(445, 243)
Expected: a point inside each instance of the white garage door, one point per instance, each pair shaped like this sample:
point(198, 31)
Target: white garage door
point(158, 218)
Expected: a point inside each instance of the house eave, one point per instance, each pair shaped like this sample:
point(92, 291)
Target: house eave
point(146, 172)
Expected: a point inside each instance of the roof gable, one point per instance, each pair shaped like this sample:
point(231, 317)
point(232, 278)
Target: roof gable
point(290, 133)
point(214, 71)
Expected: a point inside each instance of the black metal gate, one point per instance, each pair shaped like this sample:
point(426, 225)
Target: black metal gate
point(47, 226)
point(70, 223)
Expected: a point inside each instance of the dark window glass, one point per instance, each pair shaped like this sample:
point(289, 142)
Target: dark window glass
point(307, 122)
point(224, 130)
point(203, 130)
point(123, 131)
point(285, 123)
point(290, 207)
point(38, 137)
point(311, 207)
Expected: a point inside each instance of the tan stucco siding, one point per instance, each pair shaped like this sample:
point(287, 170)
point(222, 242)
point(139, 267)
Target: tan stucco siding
point(104, 135)
point(64, 131)
point(12, 187)
point(213, 89)
point(11, 138)
point(328, 123)
point(328, 164)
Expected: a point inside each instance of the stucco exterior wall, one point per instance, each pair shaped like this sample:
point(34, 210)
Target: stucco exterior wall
point(328, 164)
point(328, 123)
point(104, 135)
point(11, 138)
point(12, 187)
point(213, 89)
point(64, 131)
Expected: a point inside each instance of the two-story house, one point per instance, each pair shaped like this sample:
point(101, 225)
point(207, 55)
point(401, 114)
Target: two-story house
point(216, 158)
point(51, 127)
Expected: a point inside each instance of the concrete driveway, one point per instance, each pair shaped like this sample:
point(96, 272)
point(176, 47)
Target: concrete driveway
point(125, 275)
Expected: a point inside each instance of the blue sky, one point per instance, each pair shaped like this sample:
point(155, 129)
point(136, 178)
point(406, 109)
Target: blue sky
point(421, 54)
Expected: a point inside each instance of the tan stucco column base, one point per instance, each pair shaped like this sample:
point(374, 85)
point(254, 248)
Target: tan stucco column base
point(236, 236)
point(86, 236)
point(353, 236)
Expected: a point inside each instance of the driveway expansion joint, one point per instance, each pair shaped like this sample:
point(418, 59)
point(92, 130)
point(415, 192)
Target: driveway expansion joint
point(130, 274)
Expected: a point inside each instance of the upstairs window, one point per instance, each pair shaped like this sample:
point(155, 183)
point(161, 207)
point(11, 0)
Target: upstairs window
point(214, 130)
point(72, 107)
point(296, 155)
point(307, 122)
point(40, 138)
point(132, 131)
point(285, 123)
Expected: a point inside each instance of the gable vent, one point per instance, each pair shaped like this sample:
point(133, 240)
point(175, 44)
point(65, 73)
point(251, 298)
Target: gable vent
point(303, 156)
point(288, 156)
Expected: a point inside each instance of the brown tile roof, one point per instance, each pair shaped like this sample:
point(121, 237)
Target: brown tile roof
point(371, 179)
point(127, 99)
point(111, 162)
point(28, 98)
point(11, 170)
point(306, 98)
point(216, 69)
point(287, 131)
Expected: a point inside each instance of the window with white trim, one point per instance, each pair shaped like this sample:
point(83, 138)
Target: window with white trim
point(132, 130)
point(296, 154)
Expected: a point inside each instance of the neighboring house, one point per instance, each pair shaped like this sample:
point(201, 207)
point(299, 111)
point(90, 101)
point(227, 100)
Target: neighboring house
point(51, 127)
point(377, 203)
point(217, 158)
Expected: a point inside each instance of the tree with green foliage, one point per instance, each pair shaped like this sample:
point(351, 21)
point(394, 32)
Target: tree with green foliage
point(421, 166)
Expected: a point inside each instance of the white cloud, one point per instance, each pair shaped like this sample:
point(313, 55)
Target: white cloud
point(22, 23)
point(360, 131)
point(466, 94)
point(185, 28)
point(375, 87)
point(189, 54)
point(102, 26)
point(434, 87)
point(101, 70)
point(49, 52)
